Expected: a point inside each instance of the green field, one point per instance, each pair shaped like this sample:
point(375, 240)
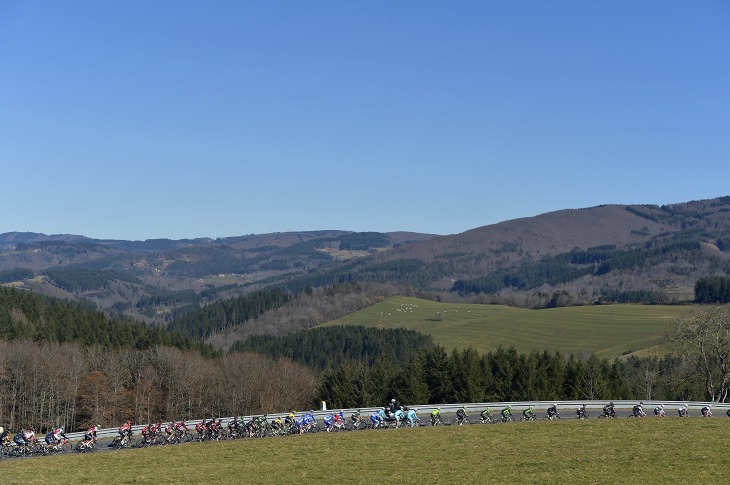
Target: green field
point(606, 330)
point(626, 451)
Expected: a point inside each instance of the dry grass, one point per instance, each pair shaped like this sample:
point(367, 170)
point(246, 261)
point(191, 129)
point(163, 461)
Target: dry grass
point(608, 330)
point(626, 451)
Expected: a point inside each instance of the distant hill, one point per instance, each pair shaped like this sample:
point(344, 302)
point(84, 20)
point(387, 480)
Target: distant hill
point(612, 253)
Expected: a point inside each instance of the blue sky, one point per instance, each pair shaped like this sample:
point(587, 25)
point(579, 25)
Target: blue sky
point(176, 119)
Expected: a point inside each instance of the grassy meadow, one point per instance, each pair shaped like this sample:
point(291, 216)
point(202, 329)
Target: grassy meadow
point(606, 330)
point(626, 451)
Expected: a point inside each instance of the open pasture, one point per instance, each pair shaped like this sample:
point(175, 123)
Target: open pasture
point(668, 450)
point(606, 330)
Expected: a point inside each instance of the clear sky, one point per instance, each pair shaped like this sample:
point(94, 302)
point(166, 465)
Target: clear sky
point(145, 119)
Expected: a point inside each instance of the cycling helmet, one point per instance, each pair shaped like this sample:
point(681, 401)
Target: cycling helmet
point(611, 403)
point(60, 430)
point(661, 406)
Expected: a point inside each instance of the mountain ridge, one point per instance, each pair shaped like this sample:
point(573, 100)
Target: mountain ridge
point(646, 248)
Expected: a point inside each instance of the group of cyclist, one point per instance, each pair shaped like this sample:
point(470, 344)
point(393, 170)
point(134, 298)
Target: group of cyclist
point(393, 413)
point(552, 413)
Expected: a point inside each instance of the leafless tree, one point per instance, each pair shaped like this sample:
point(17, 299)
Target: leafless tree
point(703, 335)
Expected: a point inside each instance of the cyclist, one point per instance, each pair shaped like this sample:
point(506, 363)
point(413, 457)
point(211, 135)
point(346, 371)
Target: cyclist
point(3, 433)
point(461, 416)
point(608, 410)
point(235, 426)
point(683, 411)
point(125, 429)
point(277, 425)
point(25, 437)
point(435, 416)
point(291, 420)
point(638, 410)
point(527, 413)
point(399, 415)
point(329, 422)
point(90, 434)
point(581, 412)
point(181, 427)
point(707, 411)
point(552, 412)
point(55, 436)
point(375, 419)
point(412, 417)
point(356, 418)
point(309, 420)
point(507, 413)
point(486, 415)
point(659, 411)
point(340, 419)
point(199, 427)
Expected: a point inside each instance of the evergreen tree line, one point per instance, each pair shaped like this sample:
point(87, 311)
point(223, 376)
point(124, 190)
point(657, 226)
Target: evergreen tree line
point(15, 274)
point(216, 317)
point(46, 385)
point(570, 266)
point(435, 376)
point(713, 289)
point(329, 347)
point(26, 315)
point(82, 279)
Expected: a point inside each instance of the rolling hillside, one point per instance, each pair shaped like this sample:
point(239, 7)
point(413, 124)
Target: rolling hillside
point(615, 253)
point(606, 330)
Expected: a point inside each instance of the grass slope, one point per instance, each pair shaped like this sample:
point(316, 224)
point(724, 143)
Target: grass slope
point(608, 331)
point(670, 450)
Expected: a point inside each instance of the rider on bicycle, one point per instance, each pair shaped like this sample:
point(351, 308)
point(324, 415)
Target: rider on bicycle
point(608, 410)
point(412, 417)
point(435, 416)
point(659, 411)
point(707, 411)
point(683, 411)
point(507, 413)
point(638, 410)
point(90, 434)
point(552, 411)
point(461, 414)
point(55, 436)
point(527, 413)
point(486, 414)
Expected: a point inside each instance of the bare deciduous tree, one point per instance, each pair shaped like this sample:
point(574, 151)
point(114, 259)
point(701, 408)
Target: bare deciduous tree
point(703, 335)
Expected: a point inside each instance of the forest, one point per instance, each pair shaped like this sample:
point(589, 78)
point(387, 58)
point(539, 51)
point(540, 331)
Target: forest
point(329, 347)
point(28, 316)
point(64, 363)
point(435, 376)
point(47, 385)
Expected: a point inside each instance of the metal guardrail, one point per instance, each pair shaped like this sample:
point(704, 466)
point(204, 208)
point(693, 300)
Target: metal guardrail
point(471, 408)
